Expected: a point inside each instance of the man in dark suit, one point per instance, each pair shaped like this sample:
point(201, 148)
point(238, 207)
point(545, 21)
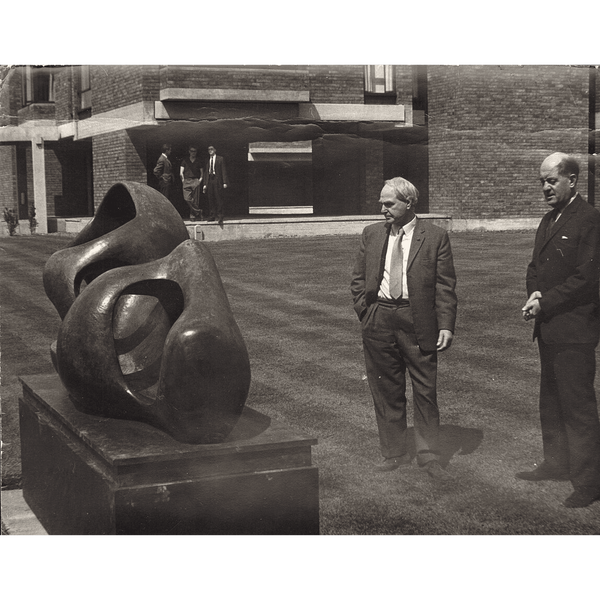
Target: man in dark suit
point(562, 283)
point(403, 285)
point(216, 181)
point(163, 171)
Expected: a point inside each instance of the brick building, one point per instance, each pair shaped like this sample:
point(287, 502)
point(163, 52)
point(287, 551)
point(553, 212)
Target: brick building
point(299, 139)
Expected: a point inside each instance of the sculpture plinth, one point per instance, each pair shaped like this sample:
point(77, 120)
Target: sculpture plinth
point(144, 430)
point(86, 474)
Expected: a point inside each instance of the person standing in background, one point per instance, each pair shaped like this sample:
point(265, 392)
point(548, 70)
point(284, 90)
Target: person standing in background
point(163, 171)
point(191, 174)
point(216, 181)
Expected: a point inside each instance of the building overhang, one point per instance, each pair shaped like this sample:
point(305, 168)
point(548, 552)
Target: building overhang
point(149, 113)
point(127, 117)
point(352, 112)
point(30, 131)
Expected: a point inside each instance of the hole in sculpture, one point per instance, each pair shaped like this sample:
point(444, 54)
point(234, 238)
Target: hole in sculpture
point(93, 270)
point(142, 318)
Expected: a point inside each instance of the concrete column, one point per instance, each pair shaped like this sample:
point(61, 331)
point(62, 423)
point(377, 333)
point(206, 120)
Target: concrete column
point(39, 184)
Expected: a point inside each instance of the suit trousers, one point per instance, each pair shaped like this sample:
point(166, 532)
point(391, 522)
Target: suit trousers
point(215, 198)
point(569, 412)
point(164, 187)
point(390, 347)
point(191, 194)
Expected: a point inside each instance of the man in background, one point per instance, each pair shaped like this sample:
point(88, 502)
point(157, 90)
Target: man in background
point(191, 173)
point(216, 181)
point(163, 171)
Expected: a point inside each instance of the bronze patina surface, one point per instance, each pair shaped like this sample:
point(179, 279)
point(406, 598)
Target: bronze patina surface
point(147, 333)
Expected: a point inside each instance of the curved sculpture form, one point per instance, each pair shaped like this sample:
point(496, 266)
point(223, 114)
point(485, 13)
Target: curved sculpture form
point(178, 361)
point(147, 333)
point(134, 224)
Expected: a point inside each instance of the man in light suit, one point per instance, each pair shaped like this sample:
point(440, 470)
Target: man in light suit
point(562, 283)
point(216, 181)
point(403, 285)
point(163, 171)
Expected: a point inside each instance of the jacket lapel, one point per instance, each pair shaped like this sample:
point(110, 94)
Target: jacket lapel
point(417, 241)
point(383, 236)
point(567, 213)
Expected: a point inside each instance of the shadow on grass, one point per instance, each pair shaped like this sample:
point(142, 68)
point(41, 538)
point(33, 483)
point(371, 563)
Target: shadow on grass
point(453, 440)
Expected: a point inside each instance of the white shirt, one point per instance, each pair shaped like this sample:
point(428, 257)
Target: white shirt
point(384, 288)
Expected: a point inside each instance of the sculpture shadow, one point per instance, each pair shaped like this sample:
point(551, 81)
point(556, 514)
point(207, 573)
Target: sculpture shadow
point(250, 425)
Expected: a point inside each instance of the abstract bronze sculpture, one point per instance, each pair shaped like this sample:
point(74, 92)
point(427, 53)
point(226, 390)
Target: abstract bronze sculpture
point(147, 333)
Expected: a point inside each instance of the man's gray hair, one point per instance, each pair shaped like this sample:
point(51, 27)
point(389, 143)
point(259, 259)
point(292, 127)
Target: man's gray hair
point(404, 189)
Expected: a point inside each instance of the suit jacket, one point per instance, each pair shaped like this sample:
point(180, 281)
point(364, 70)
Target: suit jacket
point(163, 169)
point(565, 268)
point(220, 171)
point(430, 277)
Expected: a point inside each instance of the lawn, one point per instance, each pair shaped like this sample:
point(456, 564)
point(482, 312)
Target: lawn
point(291, 300)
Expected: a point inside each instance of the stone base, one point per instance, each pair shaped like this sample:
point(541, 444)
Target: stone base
point(84, 474)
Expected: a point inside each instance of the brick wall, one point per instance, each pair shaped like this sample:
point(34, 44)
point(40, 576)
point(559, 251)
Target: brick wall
point(337, 84)
point(116, 158)
point(117, 86)
point(404, 84)
point(10, 97)
point(8, 181)
point(596, 134)
point(373, 167)
point(65, 94)
point(489, 129)
point(54, 180)
point(234, 78)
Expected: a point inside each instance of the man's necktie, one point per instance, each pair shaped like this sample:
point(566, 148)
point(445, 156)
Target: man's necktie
point(212, 165)
point(396, 267)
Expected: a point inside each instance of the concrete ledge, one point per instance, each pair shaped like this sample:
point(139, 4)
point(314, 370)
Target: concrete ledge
point(299, 225)
point(234, 95)
point(504, 224)
point(67, 225)
point(290, 227)
point(352, 112)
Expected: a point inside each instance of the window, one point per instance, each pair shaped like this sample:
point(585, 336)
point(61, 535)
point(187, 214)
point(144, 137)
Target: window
point(38, 85)
point(85, 88)
point(379, 79)
point(379, 84)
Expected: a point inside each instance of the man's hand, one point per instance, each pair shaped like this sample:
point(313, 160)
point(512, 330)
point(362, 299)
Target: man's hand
point(444, 339)
point(532, 306)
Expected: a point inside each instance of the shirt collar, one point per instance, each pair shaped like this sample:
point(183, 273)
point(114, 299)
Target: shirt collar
point(560, 212)
point(407, 228)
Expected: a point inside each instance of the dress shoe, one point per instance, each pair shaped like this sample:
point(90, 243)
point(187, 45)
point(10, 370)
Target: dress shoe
point(581, 499)
point(391, 464)
point(435, 471)
point(543, 473)
point(221, 221)
point(210, 219)
point(192, 218)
